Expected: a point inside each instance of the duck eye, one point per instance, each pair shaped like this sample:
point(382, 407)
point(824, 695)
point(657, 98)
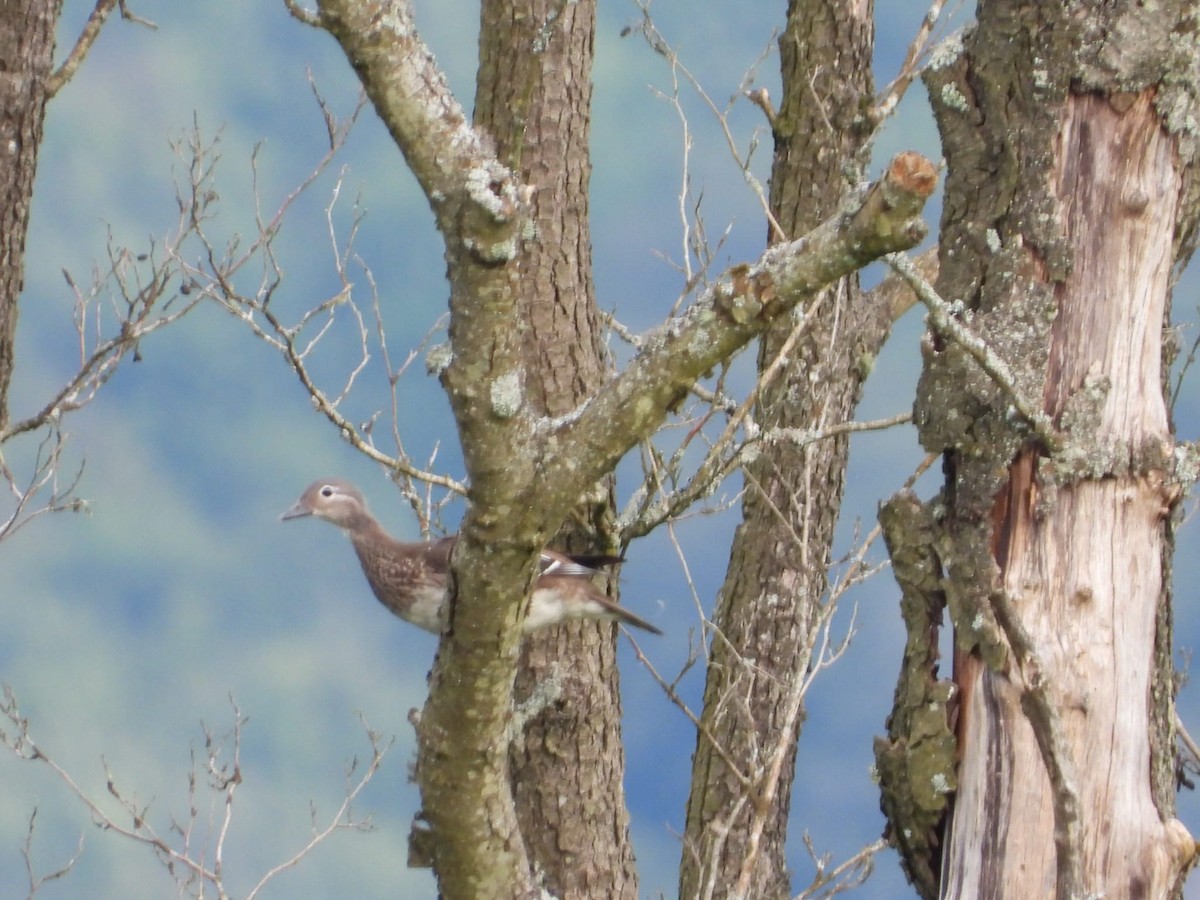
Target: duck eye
point(327, 491)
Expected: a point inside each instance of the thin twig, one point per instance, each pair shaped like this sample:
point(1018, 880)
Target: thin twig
point(342, 818)
point(186, 867)
point(722, 457)
point(673, 695)
point(36, 881)
point(659, 44)
point(851, 873)
point(296, 342)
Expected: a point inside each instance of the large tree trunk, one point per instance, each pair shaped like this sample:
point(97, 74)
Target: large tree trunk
point(27, 51)
point(1067, 203)
point(568, 767)
point(770, 607)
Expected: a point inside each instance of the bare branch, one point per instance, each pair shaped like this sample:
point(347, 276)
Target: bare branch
point(216, 276)
point(808, 662)
point(343, 818)
point(851, 873)
point(47, 471)
point(184, 862)
point(911, 67)
point(672, 694)
point(894, 292)
point(87, 37)
point(128, 299)
point(139, 312)
point(732, 311)
point(814, 653)
point(661, 46)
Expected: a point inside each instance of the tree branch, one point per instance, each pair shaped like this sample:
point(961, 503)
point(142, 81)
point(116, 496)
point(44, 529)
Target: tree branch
point(177, 854)
point(738, 307)
point(453, 162)
point(911, 67)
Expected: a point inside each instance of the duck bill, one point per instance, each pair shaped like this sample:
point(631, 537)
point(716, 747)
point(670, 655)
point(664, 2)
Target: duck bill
point(298, 511)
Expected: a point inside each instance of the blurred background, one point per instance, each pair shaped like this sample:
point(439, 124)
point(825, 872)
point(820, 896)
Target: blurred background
point(126, 628)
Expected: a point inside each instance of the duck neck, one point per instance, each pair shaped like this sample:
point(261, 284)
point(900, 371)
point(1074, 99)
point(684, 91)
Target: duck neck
point(362, 527)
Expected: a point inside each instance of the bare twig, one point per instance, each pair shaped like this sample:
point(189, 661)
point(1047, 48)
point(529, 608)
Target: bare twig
point(140, 311)
point(894, 291)
point(343, 818)
point(183, 860)
point(36, 881)
point(133, 296)
point(849, 874)
point(46, 471)
point(660, 45)
point(296, 341)
point(816, 652)
point(724, 456)
point(672, 694)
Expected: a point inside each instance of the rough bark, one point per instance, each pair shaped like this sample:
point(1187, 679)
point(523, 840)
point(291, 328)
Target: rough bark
point(27, 51)
point(1068, 201)
point(770, 607)
point(568, 766)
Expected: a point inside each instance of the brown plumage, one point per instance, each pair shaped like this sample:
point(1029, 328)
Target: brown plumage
point(409, 577)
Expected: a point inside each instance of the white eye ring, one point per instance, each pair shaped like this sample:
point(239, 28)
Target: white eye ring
point(327, 491)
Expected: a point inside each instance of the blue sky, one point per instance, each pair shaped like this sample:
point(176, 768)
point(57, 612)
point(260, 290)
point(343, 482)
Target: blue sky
point(128, 627)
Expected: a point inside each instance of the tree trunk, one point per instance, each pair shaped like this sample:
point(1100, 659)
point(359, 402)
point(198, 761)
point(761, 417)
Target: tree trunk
point(27, 51)
point(568, 767)
point(770, 607)
point(1067, 204)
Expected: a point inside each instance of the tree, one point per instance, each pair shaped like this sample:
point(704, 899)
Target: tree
point(520, 756)
point(527, 470)
point(26, 86)
point(775, 600)
point(1052, 532)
